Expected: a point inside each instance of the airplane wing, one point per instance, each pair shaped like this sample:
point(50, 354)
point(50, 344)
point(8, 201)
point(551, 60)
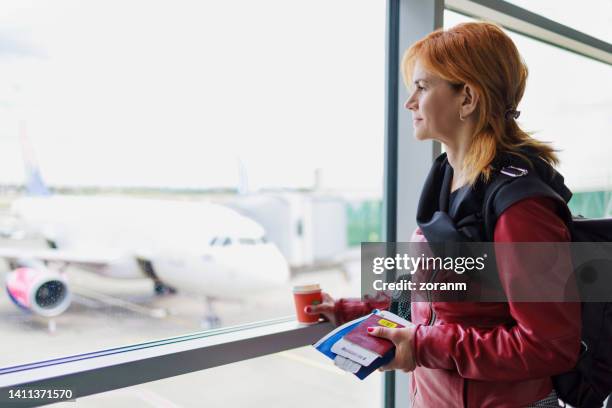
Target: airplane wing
point(84, 258)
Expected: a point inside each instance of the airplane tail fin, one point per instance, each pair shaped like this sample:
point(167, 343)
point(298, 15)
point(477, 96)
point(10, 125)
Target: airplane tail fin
point(34, 182)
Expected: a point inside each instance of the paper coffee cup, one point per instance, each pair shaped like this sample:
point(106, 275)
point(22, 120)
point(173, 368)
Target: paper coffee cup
point(306, 295)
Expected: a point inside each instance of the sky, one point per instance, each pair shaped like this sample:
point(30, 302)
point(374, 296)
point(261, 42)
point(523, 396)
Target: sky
point(178, 93)
point(183, 93)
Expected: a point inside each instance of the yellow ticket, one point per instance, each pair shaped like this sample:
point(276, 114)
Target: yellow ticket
point(387, 323)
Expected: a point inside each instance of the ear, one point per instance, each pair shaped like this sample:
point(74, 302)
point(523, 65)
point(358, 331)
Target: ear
point(469, 101)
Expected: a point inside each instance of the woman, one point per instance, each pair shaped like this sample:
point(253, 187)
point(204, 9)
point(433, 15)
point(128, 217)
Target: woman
point(468, 81)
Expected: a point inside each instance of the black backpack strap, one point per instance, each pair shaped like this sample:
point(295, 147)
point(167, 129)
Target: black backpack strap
point(510, 186)
point(488, 207)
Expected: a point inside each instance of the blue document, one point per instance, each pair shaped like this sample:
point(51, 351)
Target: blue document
point(326, 343)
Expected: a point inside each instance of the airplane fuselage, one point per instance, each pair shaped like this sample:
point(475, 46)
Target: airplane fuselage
point(196, 247)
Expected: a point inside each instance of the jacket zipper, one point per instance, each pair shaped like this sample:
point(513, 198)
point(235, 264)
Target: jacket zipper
point(432, 315)
point(432, 319)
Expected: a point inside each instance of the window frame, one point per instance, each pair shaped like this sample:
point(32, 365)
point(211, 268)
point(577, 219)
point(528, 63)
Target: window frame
point(111, 369)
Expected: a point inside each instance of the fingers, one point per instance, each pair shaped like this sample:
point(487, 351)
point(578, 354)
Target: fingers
point(327, 306)
point(389, 367)
point(318, 309)
point(383, 332)
point(392, 367)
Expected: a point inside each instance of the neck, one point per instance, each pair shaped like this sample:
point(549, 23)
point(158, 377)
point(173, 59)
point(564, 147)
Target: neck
point(456, 148)
point(456, 156)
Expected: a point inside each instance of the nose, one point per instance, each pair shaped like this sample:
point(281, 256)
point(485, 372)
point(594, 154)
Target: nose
point(411, 103)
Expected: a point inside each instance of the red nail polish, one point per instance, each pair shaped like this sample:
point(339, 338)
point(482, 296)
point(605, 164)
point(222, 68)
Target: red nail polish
point(307, 309)
point(370, 329)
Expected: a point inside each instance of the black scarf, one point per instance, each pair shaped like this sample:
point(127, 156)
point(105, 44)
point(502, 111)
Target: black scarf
point(462, 222)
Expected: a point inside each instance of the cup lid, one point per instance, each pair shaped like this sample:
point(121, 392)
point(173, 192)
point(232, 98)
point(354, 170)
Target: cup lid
point(306, 288)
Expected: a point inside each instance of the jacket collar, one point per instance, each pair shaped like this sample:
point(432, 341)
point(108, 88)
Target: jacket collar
point(463, 220)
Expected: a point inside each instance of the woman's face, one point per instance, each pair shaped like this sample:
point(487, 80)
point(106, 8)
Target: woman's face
point(435, 107)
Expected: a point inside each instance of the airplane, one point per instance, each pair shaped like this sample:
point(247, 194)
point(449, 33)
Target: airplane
point(195, 247)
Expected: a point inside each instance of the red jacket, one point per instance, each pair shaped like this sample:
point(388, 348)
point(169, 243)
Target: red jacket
point(492, 354)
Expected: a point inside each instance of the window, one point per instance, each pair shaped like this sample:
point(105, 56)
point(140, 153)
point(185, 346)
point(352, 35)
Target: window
point(150, 128)
point(247, 241)
point(595, 20)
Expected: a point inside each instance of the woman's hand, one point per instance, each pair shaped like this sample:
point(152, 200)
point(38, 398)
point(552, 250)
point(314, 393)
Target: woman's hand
point(326, 308)
point(403, 339)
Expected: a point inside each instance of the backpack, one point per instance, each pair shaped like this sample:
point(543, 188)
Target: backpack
point(590, 381)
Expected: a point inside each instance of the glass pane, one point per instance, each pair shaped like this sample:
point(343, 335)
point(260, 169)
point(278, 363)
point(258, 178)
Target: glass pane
point(300, 378)
point(187, 162)
point(594, 20)
point(568, 101)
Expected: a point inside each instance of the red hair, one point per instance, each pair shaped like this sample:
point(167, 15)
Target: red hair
point(484, 57)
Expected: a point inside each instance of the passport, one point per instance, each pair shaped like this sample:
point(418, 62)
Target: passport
point(354, 356)
point(360, 336)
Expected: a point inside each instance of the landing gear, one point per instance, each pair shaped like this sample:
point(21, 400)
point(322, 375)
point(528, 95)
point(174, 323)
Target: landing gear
point(211, 320)
point(51, 326)
point(159, 287)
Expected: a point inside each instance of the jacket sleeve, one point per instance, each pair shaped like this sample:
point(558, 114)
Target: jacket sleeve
point(545, 337)
point(347, 309)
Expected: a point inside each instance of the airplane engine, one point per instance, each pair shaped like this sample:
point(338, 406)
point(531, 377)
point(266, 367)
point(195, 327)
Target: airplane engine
point(38, 290)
